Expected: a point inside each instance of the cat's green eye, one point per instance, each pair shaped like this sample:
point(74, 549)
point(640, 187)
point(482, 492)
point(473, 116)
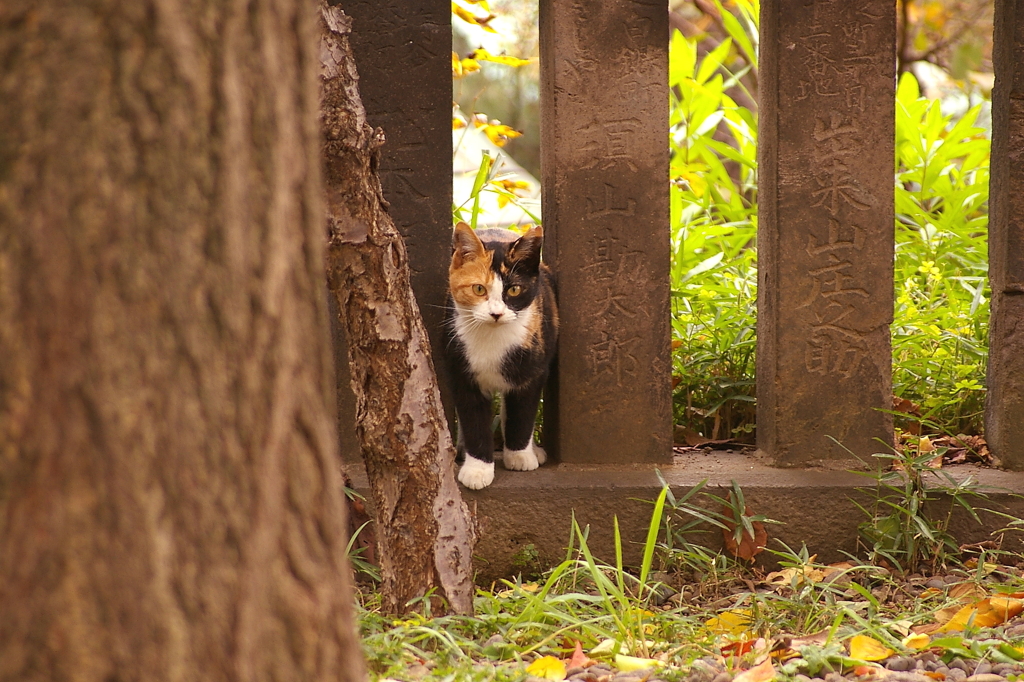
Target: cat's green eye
point(515, 290)
point(479, 289)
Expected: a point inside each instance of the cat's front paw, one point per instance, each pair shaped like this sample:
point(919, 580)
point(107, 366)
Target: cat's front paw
point(527, 459)
point(476, 474)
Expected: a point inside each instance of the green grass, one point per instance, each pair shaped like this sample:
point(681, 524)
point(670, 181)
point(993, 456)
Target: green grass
point(723, 607)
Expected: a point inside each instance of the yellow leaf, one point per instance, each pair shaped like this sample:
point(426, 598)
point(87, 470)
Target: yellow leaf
point(696, 182)
point(627, 663)
point(483, 55)
point(457, 123)
point(986, 613)
point(463, 67)
point(529, 587)
point(864, 648)
point(730, 622)
point(925, 445)
point(499, 133)
point(470, 18)
point(503, 200)
point(919, 641)
point(547, 668)
point(759, 673)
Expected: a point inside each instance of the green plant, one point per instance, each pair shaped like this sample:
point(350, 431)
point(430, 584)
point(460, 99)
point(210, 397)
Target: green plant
point(734, 517)
point(904, 527)
point(940, 329)
point(713, 275)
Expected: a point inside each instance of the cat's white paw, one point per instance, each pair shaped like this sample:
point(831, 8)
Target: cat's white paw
point(475, 474)
point(527, 459)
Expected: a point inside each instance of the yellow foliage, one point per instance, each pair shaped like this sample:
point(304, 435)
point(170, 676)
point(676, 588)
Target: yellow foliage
point(483, 55)
point(730, 622)
point(864, 648)
point(470, 18)
point(547, 668)
point(986, 613)
point(463, 67)
point(919, 641)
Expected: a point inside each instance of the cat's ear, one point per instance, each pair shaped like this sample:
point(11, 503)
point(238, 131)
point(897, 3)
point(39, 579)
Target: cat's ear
point(466, 246)
point(525, 251)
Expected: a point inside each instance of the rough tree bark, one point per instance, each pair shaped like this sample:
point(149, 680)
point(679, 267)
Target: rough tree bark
point(424, 528)
point(170, 494)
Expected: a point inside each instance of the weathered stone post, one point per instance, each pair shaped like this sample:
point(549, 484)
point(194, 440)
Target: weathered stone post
point(403, 53)
point(825, 236)
point(1004, 411)
point(604, 147)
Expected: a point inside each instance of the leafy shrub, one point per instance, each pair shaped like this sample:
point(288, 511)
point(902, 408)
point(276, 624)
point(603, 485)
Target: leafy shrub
point(940, 330)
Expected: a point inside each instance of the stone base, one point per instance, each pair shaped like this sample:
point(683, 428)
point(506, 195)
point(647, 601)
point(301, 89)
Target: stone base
point(525, 518)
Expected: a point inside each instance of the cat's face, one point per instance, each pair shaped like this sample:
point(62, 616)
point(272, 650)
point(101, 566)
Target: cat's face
point(494, 281)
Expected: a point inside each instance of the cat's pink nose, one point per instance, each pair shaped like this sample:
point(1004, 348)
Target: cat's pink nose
point(496, 316)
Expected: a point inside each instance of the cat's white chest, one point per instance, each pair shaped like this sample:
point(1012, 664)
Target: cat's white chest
point(487, 345)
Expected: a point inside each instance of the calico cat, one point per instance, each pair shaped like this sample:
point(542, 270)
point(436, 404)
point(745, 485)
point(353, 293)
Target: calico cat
point(502, 325)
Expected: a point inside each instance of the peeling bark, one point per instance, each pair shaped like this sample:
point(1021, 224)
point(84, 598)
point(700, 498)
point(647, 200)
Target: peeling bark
point(170, 494)
point(424, 528)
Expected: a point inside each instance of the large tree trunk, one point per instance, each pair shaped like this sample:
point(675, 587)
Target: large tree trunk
point(170, 494)
point(424, 528)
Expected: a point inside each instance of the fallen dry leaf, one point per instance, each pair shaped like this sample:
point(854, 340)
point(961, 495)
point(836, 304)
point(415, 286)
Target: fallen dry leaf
point(864, 648)
point(729, 622)
point(547, 668)
point(817, 639)
point(759, 673)
point(580, 659)
point(984, 614)
point(967, 592)
point(868, 670)
point(916, 641)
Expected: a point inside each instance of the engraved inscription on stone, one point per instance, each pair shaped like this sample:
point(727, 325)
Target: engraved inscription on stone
point(605, 162)
point(826, 227)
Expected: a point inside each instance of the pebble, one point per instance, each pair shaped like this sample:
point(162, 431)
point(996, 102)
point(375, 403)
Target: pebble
point(1015, 631)
point(722, 677)
point(1004, 669)
point(587, 676)
point(936, 583)
point(960, 664)
point(985, 677)
point(896, 676)
point(982, 668)
point(575, 670)
point(834, 677)
point(956, 675)
point(900, 663)
point(931, 666)
point(633, 676)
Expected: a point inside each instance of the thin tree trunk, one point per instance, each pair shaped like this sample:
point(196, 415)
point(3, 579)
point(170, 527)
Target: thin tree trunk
point(170, 494)
point(424, 528)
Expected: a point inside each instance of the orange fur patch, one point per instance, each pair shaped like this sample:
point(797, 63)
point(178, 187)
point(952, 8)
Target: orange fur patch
point(462, 278)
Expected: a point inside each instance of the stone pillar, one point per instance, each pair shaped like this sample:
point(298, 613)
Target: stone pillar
point(604, 157)
point(825, 231)
point(403, 54)
point(1004, 412)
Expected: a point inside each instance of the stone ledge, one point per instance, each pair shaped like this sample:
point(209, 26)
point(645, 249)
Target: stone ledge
point(815, 507)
